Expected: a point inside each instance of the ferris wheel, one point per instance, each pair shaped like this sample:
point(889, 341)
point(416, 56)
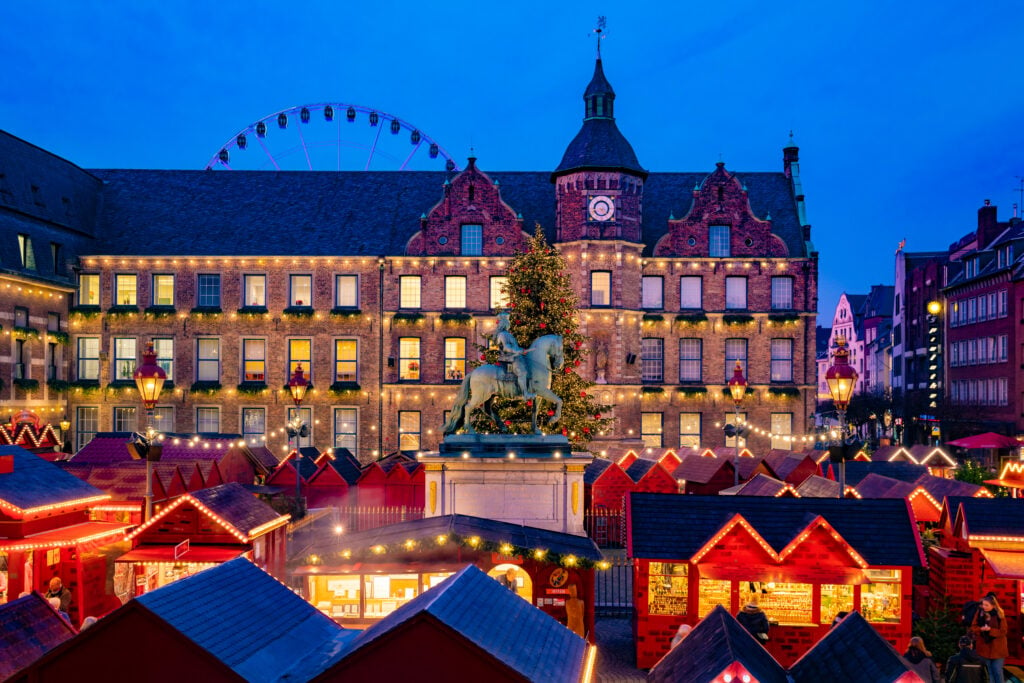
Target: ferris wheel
point(331, 136)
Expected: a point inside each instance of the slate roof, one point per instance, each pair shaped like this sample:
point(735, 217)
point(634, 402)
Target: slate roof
point(237, 506)
point(260, 631)
point(466, 525)
point(816, 486)
point(877, 486)
point(904, 471)
point(748, 465)
point(36, 482)
point(783, 463)
point(640, 468)
point(698, 468)
point(667, 526)
point(359, 213)
point(852, 652)
point(940, 487)
point(29, 628)
point(595, 469)
point(264, 456)
point(346, 465)
point(761, 485)
point(124, 481)
point(991, 516)
point(713, 644)
point(493, 618)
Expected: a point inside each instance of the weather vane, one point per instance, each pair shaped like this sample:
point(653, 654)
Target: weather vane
point(602, 22)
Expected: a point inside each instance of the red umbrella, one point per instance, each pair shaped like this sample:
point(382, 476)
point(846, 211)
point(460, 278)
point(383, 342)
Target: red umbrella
point(986, 440)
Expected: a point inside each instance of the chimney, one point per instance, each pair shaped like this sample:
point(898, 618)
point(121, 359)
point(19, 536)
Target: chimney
point(6, 464)
point(988, 226)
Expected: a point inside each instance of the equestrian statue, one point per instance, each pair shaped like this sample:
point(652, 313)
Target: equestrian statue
point(527, 378)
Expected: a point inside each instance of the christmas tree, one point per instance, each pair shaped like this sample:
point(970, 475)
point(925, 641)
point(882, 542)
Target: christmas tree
point(541, 301)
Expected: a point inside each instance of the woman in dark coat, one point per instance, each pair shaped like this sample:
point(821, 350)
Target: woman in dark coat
point(989, 631)
point(921, 661)
point(755, 621)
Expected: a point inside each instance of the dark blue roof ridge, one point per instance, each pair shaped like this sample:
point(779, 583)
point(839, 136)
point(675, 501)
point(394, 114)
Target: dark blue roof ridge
point(35, 482)
point(853, 639)
point(598, 82)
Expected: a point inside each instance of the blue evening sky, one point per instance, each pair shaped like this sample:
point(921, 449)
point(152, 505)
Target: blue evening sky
point(908, 114)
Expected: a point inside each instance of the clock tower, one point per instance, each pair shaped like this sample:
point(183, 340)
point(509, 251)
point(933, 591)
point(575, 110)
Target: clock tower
point(599, 183)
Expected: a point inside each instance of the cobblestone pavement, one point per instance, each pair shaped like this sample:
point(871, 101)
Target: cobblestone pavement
point(615, 653)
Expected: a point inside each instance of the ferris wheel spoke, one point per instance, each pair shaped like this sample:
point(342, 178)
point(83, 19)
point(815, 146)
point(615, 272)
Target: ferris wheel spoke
point(374, 148)
point(305, 150)
point(267, 152)
point(411, 155)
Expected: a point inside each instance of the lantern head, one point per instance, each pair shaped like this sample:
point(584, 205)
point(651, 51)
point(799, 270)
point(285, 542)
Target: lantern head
point(934, 307)
point(149, 378)
point(841, 377)
point(298, 385)
point(738, 384)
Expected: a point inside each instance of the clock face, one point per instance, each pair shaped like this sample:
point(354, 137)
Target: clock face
point(601, 208)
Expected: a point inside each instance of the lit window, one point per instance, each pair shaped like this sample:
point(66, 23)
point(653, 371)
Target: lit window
point(21, 367)
point(408, 430)
point(689, 430)
point(736, 350)
point(652, 296)
point(472, 240)
point(346, 291)
point(300, 290)
point(254, 425)
point(20, 316)
point(89, 289)
point(89, 359)
point(163, 418)
point(125, 419)
point(409, 291)
point(125, 290)
point(454, 358)
point(650, 429)
point(346, 360)
point(124, 358)
point(690, 295)
point(730, 441)
point(455, 291)
point(718, 241)
point(208, 286)
point(652, 358)
point(499, 297)
point(600, 288)
point(300, 352)
point(409, 358)
point(735, 293)
point(27, 253)
point(164, 347)
point(254, 290)
point(690, 360)
point(782, 293)
point(254, 360)
point(163, 290)
point(208, 360)
point(87, 423)
point(782, 360)
point(304, 415)
point(346, 429)
point(208, 420)
point(782, 426)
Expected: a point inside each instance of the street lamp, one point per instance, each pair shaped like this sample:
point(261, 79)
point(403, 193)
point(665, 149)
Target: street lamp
point(149, 379)
point(841, 378)
point(297, 385)
point(737, 389)
point(65, 427)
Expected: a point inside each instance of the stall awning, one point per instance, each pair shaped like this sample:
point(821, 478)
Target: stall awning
point(1008, 483)
point(1005, 563)
point(781, 574)
point(99, 533)
point(196, 553)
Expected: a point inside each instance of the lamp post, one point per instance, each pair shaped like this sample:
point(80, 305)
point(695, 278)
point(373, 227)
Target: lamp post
point(841, 378)
point(737, 389)
point(149, 379)
point(297, 385)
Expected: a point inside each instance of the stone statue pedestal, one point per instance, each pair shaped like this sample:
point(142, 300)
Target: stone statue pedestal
point(523, 479)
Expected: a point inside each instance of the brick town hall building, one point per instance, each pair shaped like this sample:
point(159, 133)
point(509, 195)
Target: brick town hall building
point(380, 283)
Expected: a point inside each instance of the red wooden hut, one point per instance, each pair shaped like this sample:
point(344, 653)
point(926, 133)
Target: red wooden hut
point(792, 467)
point(703, 475)
point(802, 559)
point(27, 430)
point(605, 485)
point(651, 477)
point(333, 484)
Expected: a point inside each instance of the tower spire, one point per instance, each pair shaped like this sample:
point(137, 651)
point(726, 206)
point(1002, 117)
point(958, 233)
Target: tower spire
point(602, 23)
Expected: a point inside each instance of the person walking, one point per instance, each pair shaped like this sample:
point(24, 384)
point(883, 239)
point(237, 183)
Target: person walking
point(989, 631)
point(965, 666)
point(921, 661)
point(753, 618)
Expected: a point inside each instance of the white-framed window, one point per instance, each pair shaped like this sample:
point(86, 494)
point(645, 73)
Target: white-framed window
point(690, 292)
point(305, 415)
point(208, 420)
point(499, 297)
point(254, 360)
point(782, 426)
point(164, 347)
point(346, 429)
point(600, 288)
point(653, 292)
point(1003, 348)
point(454, 358)
point(208, 359)
point(736, 350)
point(300, 352)
point(208, 290)
point(652, 359)
point(254, 426)
point(163, 418)
point(89, 289)
point(87, 423)
point(455, 291)
point(254, 290)
point(125, 419)
point(782, 360)
point(409, 359)
point(409, 291)
point(782, 293)
point(651, 429)
point(346, 291)
point(300, 290)
point(409, 430)
point(718, 241)
point(690, 360)
point(125, 358)
point(346, 360)
point(88, 358)
point(730, 441)
point(126, 286)
point(1002, 303)
point(689, 430)
point(472, 241)
point(163, 290)
point(735, 293)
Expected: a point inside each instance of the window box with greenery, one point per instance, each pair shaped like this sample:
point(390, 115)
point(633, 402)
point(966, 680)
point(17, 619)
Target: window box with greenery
point(298, 312)
point(253, 311)
point(345, 388)
point(252, 388)
point(60, 386)
point(206, 312)
point(737, 319)
point(653, 390)
point(122, 311)
point(408, 318)
point(86, 311)
point(343, 312)
point(457, 318)
point(86, 386)
point(692, 391)
point(653, 317)
point(57, 337)
point(119, 385)
point(783, 318)
point(204, 387)
point(26, 384)
point(784, 392)
point(24, 333)
point(695, 318)
point(160, 312)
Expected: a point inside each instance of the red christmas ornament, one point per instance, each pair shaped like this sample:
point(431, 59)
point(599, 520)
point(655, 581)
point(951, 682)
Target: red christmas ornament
point(511, 305)
point(543, 326)
point(579, 345)
point(508, 423)
point(551, 413)
point(565, 432)
point(529, 404)
point(586, 430)
point(567, 371)
point(576, 363)
point(561, 301)
point(583, 394)
point(598, 416)
point(523, 290)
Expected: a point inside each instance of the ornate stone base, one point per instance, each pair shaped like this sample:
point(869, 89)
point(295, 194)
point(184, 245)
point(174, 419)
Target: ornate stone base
point(501, 445)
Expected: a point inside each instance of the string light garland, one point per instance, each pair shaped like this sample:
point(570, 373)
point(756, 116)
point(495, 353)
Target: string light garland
point(25, 512)
point(230, 528)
